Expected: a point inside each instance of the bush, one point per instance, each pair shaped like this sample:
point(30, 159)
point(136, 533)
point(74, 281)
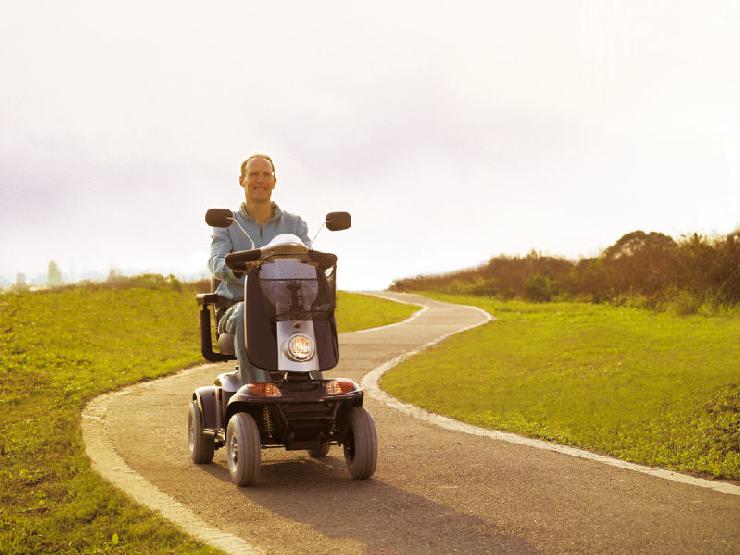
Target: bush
point(648, 270)
point(539, 288)
point(685, 304)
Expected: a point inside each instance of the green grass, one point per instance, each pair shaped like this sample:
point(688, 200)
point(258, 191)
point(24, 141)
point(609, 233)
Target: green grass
point(358, 312)
point(656, 389)
point(58, 350)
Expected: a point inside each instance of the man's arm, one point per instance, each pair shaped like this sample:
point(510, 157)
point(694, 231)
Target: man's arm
point(221, 246)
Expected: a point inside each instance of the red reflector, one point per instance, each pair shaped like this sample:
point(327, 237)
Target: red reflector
point(340, 387)
point(263, 390)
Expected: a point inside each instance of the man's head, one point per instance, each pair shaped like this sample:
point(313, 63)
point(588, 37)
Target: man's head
point(258, 178)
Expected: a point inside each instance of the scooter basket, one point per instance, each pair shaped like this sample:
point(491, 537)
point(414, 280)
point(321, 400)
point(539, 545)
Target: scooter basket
point(293, 289)
point(290, 288)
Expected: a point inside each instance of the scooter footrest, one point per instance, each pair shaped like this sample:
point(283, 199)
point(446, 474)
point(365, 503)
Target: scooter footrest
point(302, 445)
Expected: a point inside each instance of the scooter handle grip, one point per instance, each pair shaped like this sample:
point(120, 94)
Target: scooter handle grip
point(237, 261)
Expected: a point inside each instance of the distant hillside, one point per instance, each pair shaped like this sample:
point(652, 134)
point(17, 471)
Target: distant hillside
point(650, 269)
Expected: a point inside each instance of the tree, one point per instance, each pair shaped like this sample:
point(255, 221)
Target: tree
point(641, 262)
point(55, 275)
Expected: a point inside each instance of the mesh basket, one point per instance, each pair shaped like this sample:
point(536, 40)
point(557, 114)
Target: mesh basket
point(297, 290)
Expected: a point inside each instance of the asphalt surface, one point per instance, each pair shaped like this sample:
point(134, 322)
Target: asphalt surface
point(435, 490)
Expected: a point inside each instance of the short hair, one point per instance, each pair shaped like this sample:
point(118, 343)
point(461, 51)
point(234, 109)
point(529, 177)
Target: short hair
point(252, 157)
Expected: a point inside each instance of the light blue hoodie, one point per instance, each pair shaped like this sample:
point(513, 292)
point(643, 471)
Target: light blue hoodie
point(232, 239)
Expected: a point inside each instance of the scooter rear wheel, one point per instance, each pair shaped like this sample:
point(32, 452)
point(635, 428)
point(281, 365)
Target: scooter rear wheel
point(361, 444)
point(243, 449)
point(199, 446)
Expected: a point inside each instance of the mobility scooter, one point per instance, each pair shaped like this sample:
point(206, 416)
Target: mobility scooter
point(291, 336)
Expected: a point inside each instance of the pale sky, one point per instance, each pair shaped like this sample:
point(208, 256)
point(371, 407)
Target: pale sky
point(451, 134)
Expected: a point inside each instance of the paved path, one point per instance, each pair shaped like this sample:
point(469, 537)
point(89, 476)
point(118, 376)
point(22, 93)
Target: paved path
point(435, 490)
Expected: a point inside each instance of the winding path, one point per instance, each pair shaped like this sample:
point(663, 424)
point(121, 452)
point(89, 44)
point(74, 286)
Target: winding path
point(440, 487)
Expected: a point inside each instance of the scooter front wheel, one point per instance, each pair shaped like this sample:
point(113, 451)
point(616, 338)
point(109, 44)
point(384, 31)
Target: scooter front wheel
point(360, 444)
point(199, 446)
point(243, 449)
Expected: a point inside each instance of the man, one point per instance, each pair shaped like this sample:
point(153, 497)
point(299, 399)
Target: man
point(260, 220)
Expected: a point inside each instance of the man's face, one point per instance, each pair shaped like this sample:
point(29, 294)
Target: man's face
point(258, 181)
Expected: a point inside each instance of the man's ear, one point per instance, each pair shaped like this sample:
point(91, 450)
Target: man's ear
point(240, 179)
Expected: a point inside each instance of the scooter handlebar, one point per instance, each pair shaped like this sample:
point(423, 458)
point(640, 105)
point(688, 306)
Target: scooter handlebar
point(237, 261)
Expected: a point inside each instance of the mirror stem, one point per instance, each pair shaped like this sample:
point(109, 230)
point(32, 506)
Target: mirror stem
point(317, 233)
point(243, 230)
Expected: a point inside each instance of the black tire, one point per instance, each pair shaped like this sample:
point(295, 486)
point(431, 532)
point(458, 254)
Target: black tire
point(321, 452)
point(199, 445)
point(360, 444)
point(243, 449)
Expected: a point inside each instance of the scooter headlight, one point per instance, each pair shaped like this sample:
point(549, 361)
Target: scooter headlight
point(300, 347)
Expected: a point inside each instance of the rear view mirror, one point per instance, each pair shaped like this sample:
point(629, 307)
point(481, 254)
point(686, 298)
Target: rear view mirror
point(219, 217)
point(337, 221)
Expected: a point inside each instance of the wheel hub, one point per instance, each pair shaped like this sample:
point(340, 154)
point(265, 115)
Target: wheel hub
point(233, 451)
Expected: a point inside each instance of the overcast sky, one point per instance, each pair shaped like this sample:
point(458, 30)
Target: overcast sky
point(451, 134)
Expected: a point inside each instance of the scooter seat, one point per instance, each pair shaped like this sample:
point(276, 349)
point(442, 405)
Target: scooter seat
point(226, 344)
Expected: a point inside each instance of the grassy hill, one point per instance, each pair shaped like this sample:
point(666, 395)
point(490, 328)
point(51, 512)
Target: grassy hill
point(62, 347)
point(653, 388)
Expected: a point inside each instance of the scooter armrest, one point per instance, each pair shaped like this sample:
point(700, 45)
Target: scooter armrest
point(206, 298)
point(218, 301)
